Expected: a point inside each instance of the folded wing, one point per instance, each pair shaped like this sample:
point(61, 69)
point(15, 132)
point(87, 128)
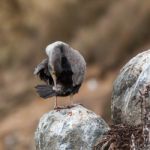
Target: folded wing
point(42, 71)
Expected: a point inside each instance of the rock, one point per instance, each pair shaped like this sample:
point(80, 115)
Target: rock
point(130, 89)
point(76, 128)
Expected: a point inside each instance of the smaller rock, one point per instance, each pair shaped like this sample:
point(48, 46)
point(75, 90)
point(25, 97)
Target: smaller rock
point(76, 128)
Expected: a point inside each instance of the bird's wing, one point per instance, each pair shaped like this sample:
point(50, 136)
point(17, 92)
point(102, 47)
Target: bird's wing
point(41, 66)
point(78, 66)
point(42, 71)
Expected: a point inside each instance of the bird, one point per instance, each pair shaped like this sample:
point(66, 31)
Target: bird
point(63, 72)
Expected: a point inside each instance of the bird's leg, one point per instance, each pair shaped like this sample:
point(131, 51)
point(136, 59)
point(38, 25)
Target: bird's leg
point(55, 88)
point(55, 106)
point(71, 102)
point(71, 99)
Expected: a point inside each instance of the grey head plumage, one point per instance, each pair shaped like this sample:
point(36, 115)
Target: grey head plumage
point(64, 65)
point(77, 63)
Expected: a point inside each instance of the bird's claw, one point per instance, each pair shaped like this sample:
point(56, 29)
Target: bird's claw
point(59, 107)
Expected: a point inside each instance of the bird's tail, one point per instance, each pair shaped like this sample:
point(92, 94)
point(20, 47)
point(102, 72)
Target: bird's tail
point(45, 91)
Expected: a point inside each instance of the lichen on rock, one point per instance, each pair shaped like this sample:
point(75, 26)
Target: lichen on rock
point(75, 128)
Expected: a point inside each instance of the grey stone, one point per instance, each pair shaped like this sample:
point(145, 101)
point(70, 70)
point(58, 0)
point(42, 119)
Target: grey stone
point(134, 78)
point(76, 128)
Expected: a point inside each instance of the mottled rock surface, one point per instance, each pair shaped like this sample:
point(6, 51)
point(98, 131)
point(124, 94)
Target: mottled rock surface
point(76, 128)
point(131, 86)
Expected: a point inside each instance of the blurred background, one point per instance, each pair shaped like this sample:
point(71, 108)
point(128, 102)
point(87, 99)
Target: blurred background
point(108, 33)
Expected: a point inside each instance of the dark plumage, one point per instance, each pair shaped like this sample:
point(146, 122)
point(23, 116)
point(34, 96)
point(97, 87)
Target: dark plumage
point(63, 71)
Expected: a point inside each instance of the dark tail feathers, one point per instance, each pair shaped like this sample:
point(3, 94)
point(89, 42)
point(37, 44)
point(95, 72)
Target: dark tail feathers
point(45, 91)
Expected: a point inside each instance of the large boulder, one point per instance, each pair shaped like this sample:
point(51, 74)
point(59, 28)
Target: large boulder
point(131, 91)
point(75, 128)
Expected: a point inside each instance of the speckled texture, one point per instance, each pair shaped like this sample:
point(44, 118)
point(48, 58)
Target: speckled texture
point(76, 128)
point(134, 76)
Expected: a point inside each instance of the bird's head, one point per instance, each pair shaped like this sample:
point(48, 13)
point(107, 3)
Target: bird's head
point(51, 47)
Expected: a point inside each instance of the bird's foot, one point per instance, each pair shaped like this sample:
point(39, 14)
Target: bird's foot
point(70, 106)
point(59, 107)
point(73, 105)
